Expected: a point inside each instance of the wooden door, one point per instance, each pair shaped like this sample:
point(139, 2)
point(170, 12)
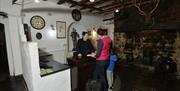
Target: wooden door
point(4, 68)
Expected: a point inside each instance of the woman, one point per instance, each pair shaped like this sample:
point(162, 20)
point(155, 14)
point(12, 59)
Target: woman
point(104, 44)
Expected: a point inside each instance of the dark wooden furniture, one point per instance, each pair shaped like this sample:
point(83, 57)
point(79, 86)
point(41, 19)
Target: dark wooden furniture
point(81, 71)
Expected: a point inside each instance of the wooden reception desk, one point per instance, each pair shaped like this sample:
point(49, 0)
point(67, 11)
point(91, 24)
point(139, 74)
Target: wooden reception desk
point(81, 71)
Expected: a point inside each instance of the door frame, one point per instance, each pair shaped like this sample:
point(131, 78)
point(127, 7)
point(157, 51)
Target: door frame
point(4, 20)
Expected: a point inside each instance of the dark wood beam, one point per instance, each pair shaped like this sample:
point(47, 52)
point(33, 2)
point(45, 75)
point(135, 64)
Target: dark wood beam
point(61, 1)
point(108, 12)
point(108, 19)
point(82, 8)
point(4, 14)
point(82, 2)
point(90, 10)
point(96, 3)
point(109, 5)
point(72, 5)
point(83, 5)
point(14, 1)
point(114, 6)
point(117, 6)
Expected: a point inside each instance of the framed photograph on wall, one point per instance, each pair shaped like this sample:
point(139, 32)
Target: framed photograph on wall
point(61, 29)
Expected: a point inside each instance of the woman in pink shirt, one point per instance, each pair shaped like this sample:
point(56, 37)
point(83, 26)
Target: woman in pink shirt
point(104, 45)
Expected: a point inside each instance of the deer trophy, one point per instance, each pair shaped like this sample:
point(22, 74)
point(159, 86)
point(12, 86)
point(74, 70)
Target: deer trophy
point(148, 15)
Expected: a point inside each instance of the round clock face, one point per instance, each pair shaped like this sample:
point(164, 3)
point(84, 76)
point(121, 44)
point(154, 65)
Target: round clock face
point(38, 36)
point(76, 14)
point(37, 22)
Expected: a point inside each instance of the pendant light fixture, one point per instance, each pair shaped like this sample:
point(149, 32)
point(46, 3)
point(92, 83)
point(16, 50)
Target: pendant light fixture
point(91, 0)
point(117, 10)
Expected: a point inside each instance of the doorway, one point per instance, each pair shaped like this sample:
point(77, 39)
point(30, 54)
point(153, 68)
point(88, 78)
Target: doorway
point(4, 68)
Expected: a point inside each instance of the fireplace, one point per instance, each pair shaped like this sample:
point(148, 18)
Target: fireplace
point(147, 47)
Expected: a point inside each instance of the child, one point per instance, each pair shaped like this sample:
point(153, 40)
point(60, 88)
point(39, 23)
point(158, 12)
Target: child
point(110, 69)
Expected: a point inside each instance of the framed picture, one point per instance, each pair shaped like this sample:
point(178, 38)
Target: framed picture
point(61, 29)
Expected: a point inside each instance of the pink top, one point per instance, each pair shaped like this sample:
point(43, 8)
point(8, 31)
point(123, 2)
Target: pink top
point(105, 52)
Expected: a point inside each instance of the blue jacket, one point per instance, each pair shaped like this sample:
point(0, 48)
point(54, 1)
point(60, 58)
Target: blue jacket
point(113, 59)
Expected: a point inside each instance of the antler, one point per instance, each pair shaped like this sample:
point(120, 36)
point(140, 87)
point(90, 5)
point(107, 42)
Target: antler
point(148, 19)
point(157, 3)
point(138, 5)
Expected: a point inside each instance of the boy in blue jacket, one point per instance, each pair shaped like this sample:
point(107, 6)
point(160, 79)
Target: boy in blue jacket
point(110, 69)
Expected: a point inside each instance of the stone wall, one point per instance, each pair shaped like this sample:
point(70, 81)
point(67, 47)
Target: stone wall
point(176, 55)
point(132, 37)
point(152, 43)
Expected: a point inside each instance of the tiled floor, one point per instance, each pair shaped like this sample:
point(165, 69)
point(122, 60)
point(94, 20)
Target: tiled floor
point(131, 78)
point(12, 84)
point(127, 78)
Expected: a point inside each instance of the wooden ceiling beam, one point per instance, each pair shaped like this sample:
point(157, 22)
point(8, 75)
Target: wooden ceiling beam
point(109, 5)
point(14, 1)
point(5, 15)
point(127, 5)
point(115, 5)
point(83, 5)
point(72, 5)
point(82, 2)
point(118, 6)
point(97, 3)
point(108, 12)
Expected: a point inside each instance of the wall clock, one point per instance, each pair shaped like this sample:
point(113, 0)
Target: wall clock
point(38, 36)
point(37, 22)
point(76, 15)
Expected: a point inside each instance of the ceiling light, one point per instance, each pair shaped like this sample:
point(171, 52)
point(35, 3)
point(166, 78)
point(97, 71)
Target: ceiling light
point(117, 10)
point(36, 1)
point(91, 0)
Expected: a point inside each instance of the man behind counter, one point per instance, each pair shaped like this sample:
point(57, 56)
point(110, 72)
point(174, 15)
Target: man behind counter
point(84, 45)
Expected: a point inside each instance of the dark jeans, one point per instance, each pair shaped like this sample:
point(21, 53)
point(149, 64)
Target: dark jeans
point(100, 73)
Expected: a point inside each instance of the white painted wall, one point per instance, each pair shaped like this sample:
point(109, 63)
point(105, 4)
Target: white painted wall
point(110, 28)
point(31, 72)
point(15, 43)
point(49, 41)
point(51, 13)
point(12, 36)
point(8, 43)
point(6, 6)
